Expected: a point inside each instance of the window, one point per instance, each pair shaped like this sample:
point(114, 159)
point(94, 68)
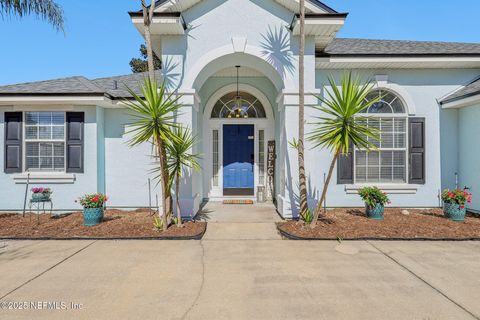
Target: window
point(215, 158)
point(44, 141)
point(243, 105)
point(389, 163)
point(261, 157)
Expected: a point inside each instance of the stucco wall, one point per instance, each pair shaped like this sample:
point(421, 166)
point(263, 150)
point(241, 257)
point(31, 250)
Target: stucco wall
point(212, 26)
point(469, 152)
point(423, 87)
point(64, 195)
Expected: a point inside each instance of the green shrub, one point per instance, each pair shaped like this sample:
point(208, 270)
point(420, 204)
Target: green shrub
point(158, 224)
point(307, 217)
point(373, 196)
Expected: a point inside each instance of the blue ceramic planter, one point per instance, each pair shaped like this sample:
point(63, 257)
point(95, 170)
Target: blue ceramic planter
point(376, 212)
point(454, 212)
point(92, 216)
point(40, 197)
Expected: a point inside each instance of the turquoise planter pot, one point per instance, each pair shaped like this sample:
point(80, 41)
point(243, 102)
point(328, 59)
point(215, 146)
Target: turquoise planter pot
point(40, 197)
point(376, 213)
point(92, 216)
point(453, 211)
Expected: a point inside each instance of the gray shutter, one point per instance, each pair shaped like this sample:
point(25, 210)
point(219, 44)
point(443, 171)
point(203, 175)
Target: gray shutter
point(75, 141)
point(345, 167)
point(416, 156)
point(13, 142)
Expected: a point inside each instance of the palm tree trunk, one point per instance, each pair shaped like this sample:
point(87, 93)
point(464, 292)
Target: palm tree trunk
point(147, 20)
point(163, 179)
point(325, 188)
point(177, 194)
point(148, 17)
point(302, 182)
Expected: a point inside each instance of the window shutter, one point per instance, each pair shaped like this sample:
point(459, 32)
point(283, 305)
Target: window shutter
point(345, 167)
point(13, 142)
point(75, 141)
point(416, 155)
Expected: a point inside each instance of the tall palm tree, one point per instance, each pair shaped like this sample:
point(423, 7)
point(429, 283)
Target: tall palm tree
point(342, 126)
point(180, 158)
point(148, 13)
point(147, 21)
point(302, 179)
point(153, 122)
point(47, 10)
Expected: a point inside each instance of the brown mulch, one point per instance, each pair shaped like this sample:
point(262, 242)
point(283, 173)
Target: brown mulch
point(116, 224)
point(353, 224)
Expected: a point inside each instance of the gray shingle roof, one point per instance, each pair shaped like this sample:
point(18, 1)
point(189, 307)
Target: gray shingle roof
point(469, 90)
point(71, 85)
point(80, 86)
point(123, 82)
point(360, 47)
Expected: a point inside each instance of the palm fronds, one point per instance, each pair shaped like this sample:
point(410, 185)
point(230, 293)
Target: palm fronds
point(47, 10)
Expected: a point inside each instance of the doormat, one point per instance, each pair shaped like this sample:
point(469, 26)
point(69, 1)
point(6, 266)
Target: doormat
point(237, 201)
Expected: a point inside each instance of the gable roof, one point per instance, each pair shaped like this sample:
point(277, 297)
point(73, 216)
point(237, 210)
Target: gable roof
point(471, 89)
point(367, 47)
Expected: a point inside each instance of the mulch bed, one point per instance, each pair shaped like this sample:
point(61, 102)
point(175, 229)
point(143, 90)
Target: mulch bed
point(352, 224)
point(116, 225)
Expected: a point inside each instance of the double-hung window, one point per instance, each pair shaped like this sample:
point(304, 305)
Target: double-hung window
point(44, 141)
point(388, 164)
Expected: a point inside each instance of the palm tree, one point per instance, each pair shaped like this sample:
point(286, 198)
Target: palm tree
point(47, 10)
point(302, 181)
point(153, 122)
point(179, 158)
point(147, 21)
point(148, 13)
point(343, 127)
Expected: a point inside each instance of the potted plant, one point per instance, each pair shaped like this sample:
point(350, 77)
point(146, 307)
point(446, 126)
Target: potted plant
point(93, 208)
point(454, 202)
point(41, 194)
point(375, 201)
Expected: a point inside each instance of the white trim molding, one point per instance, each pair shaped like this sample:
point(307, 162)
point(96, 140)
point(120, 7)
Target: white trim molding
point(388, 188)
point(39, 177)
point(462, 102)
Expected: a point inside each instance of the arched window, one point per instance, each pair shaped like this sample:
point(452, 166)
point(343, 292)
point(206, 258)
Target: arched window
point(241, 106)
point(389, 163)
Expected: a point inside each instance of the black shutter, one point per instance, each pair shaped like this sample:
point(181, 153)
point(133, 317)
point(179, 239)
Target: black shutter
point(75, 141)
point(345, 167)
point(13, 142)
point(416, 156)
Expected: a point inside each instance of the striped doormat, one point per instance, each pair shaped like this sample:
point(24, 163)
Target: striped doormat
point(236, 201)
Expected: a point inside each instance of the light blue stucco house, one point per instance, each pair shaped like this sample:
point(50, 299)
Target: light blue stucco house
point(237, 75)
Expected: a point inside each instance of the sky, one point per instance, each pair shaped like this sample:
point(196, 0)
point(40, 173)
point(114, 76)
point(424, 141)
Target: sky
point(100, 39)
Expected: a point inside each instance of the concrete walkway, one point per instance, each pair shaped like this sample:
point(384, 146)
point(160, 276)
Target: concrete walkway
point(240, 222)
point(241, 279)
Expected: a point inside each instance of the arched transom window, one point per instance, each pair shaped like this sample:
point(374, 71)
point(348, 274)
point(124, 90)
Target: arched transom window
point(389, 163)
point(241, 106)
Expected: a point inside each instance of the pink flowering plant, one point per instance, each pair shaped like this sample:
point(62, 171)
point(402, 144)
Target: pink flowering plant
point(42, 190)
point(373, 196)
point(96, 200)
point(457, 196)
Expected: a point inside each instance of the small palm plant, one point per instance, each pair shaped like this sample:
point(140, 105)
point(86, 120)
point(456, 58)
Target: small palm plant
point(342, 126)
point(180, 158)
point(153, 122)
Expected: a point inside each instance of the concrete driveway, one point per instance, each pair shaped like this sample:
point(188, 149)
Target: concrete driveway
point(222, 278)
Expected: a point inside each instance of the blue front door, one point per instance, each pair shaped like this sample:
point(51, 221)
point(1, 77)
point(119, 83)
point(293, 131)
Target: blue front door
point(238, 160)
